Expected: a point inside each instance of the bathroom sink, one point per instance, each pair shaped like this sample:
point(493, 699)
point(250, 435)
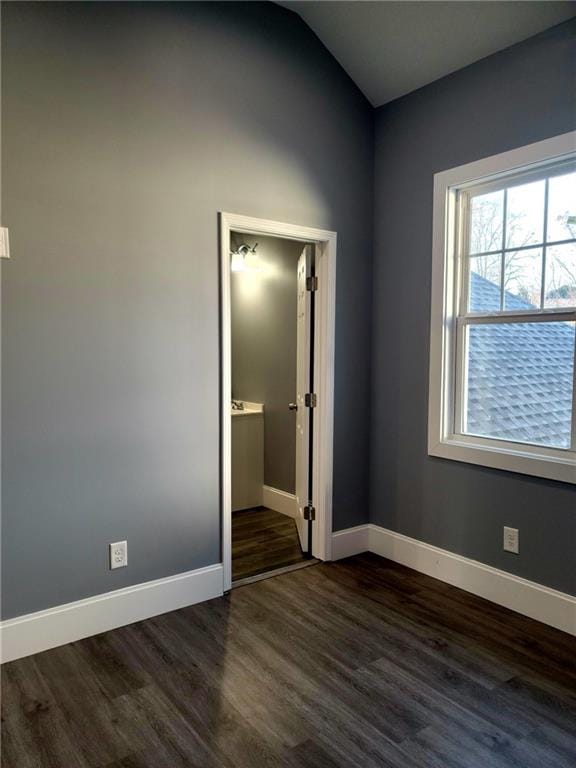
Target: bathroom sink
point(250, 409)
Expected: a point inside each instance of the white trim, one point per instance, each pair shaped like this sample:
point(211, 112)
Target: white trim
point(323, 374)
point(442, 439)
point(279, 501)
point(36, 632)
point(557, 609)
point(351, 541)
point(491, 168)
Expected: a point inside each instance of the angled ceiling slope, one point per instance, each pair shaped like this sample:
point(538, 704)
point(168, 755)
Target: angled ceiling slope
point(392, 48)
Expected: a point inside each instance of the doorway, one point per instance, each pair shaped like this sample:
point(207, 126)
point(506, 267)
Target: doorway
point(276, 485)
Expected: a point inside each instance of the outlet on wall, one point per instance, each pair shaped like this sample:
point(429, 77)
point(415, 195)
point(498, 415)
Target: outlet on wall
point(119, 554)
point(511, 543)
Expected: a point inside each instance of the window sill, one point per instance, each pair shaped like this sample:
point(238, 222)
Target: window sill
point(548, 463)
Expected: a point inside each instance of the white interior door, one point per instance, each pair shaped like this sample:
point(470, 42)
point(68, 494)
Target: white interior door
point(303, 387)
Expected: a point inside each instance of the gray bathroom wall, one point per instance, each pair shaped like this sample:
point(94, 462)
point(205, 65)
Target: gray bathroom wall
point(263, 307)
point(521, 95)
point(126, 128)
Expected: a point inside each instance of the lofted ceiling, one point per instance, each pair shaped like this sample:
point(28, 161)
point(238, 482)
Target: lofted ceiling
point(392, 48)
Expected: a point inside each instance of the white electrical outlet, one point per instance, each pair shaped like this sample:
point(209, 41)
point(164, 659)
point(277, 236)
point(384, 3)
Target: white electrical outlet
point(119, 554)
point(511, 543)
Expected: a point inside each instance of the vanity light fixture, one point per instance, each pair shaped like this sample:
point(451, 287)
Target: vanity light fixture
point(243, 259)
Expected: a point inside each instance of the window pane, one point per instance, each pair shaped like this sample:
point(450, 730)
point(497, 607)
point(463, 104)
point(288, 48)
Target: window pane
point(525, 215)
point(523, 279)
point(561, 276)
point(486, 219)
point(484, 287)
point(519, 382)
point(562, 207)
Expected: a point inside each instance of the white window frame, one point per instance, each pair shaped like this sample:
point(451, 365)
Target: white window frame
point(444, 440)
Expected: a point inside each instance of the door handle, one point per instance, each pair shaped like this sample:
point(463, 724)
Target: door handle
point(292, 407)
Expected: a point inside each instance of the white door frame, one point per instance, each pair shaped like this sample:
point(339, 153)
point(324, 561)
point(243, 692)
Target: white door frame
point(325, 315)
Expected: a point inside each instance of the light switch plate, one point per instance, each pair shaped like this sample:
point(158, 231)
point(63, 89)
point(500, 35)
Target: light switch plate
point(4, 243)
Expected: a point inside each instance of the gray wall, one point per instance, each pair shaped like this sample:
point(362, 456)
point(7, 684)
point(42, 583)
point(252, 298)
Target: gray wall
point(521, 95)
point(263, 308)
point(126, 128)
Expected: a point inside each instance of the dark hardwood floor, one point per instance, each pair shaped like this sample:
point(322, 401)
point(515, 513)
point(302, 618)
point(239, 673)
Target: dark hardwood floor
point(357, 663)
point(263, 540)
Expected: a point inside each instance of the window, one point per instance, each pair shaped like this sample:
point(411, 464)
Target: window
point(503, 336)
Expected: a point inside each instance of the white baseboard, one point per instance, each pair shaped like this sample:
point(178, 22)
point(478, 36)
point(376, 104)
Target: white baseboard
point(279, 501)
point(549, 606)
point(351, 541)
point(36, 632)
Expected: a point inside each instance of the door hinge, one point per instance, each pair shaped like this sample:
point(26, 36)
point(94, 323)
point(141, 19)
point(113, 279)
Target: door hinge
point(310, 400)
point(309, 512)
point(312, 283)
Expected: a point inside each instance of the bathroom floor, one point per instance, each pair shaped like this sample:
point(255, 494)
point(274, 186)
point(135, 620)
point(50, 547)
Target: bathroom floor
point(263, 540)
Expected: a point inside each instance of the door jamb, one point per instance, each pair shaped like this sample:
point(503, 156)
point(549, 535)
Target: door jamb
point(324, 327)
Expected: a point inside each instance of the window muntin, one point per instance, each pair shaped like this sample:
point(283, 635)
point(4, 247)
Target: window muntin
point(515, 333)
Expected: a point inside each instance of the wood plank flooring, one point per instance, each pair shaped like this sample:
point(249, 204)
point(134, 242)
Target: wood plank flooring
point(358, 663)
point(263, 540)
